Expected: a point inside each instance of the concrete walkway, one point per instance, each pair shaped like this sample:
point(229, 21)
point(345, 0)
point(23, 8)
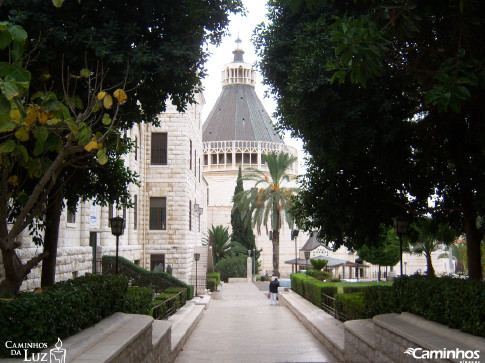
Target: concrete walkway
point(243, 327)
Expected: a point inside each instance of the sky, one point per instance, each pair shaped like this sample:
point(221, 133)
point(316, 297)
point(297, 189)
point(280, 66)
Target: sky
point(221, 55)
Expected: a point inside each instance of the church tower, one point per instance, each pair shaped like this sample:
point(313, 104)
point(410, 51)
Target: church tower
point(237, 132)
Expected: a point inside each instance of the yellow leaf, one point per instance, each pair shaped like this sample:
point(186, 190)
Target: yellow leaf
point(107, 102)
point(91, 145)
point(22, 134)
point(120, 95)
point(31, 116)
point(101, 95)
point(42, 117)
point(15, 114)
point(14, 180)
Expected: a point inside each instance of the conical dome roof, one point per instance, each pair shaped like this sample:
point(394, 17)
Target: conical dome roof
point(238, 114)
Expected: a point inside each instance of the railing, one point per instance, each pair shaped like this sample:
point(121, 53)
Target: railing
point(335, 308)
point(201, 284)
point(166, 308)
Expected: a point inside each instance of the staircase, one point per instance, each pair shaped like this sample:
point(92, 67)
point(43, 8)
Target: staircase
point(201, 270)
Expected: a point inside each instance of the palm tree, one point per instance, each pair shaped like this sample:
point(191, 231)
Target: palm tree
point(430, 235)
point(221, 243)
point(269, 202)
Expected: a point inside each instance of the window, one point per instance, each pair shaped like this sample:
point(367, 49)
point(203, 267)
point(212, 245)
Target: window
point(110, 214)
point(135, 213)
point(71, 216)
point(190, 153)
point(158, 213)
point(159, 148)
point(190, 215)
point(157, 260)
point(136, 148)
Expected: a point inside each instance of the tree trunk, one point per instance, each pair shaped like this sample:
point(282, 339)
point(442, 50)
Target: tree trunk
point(16, 271)
point(276, 253)
point(13, 275)
point(473, 240)
point(429, 265)
point(51, 237)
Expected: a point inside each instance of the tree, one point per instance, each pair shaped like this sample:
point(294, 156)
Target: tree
point(429, 235)
point(222, 246)
point(271, 202)
point(63, 86)
point(386, 96)
point(242, 232)
point(383, 253)
point(318, 264)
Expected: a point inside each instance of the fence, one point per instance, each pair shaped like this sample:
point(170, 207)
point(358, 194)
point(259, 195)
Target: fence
point(337, 308)
point(167, 307)
point(201, 284)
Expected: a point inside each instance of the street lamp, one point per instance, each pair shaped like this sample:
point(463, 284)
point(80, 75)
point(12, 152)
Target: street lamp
point(197, 258)
point(117, 228)
point(294, 235)
point(307, 256)
point(401, 225)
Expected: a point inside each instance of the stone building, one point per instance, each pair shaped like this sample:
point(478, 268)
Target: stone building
point(167, 222)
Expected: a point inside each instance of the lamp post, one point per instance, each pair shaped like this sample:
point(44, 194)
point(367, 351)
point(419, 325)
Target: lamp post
point(307, 256)
point(117, 228)
point(294, 235)
point(196, 257)
point(401, 225)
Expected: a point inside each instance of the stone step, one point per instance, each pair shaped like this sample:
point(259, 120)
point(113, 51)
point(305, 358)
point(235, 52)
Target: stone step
point(360, 342)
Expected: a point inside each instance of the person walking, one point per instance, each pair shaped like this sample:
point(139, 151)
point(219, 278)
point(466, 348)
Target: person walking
point(273, 290)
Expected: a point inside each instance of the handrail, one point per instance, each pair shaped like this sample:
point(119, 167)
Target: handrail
point(171, 308)
point(331, 306)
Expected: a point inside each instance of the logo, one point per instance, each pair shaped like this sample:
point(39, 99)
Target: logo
point(55, 355)
point(58, 354)
point(465, 356)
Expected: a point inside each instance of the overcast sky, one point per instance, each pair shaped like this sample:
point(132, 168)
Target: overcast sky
point(244, 26)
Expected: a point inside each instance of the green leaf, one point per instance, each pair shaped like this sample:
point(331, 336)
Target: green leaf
point(7, 147)
point(18, 33)
point(7, 126)
point(22, 198)
point(85, 72)
point(72, 126)
point(102, 157)
point(4, 105)
point(41, 133)
point(58, 3)
point(39, 147)
point(21, 151)
point(9, 90)
point(106, 119)
point(5, 39)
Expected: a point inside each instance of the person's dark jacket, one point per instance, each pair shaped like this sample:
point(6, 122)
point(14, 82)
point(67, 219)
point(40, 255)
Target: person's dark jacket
point(273, 286)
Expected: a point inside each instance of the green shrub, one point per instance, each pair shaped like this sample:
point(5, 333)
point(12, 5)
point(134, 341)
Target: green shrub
point(353, 289)
point(62, 310)
point(379, 300)
point(211, 284)
point(158, 281)
point(319, 275)
point(351, 305)
point(232, 266)
point(176, 290)
point(318, 264)
point(138, 300)
point(164, 296)
point(215, 275)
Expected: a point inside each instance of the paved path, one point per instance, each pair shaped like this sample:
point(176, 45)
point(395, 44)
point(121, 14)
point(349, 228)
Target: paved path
point(243, 327)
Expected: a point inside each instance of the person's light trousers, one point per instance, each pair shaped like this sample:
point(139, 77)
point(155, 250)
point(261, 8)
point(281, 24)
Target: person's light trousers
point(273, 299)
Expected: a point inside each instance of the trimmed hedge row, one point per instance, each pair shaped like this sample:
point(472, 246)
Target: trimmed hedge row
point(458, 303)
point(158, 281)
point(311, 288)
point(62, 310)
point(138, 300)
point(351, 305)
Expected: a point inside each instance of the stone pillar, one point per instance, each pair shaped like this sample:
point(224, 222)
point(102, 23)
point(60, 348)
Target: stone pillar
point(250, 269)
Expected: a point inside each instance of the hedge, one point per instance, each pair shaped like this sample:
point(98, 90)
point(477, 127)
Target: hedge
point(62, 310)
point(311, 288)
point(176, 290)
point(379, 300)
point(351, 305)
point(215, 275)
point(232, 266)
point(158, 281)
point(458, 303)
point(138, 300)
